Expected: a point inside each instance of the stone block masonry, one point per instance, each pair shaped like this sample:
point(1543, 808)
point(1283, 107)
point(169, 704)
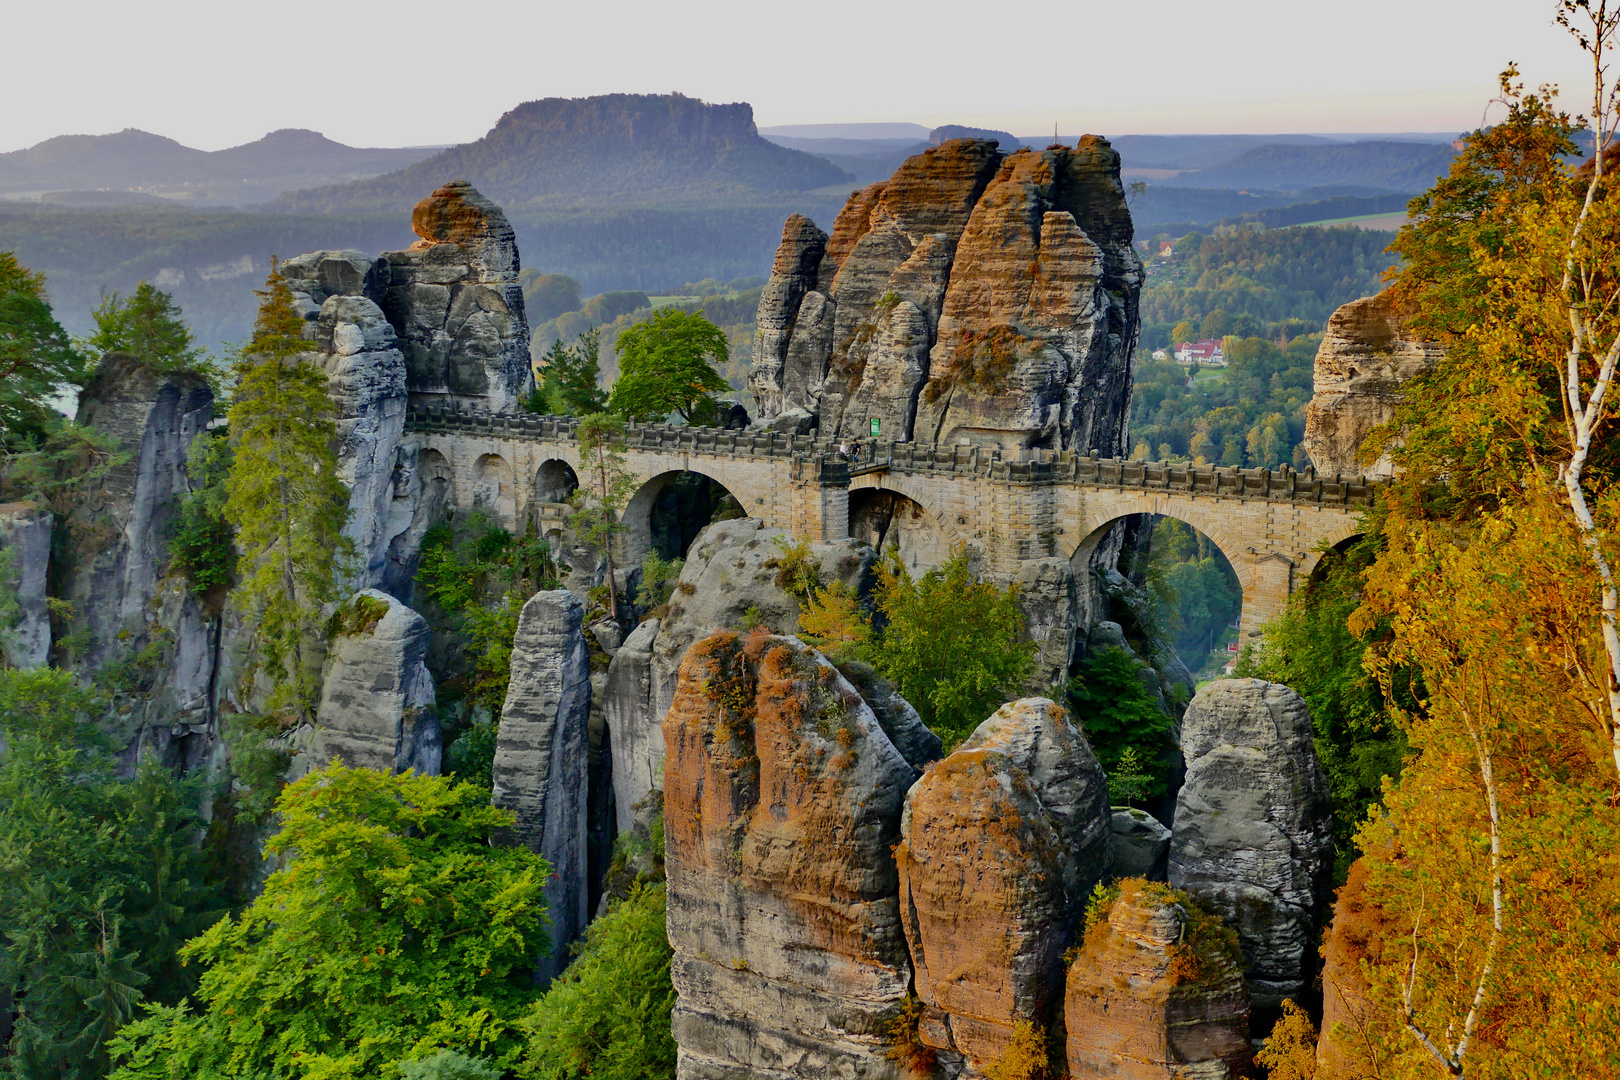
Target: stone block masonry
point(1270, 524)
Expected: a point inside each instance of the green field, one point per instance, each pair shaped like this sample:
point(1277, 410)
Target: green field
point(1379, 222)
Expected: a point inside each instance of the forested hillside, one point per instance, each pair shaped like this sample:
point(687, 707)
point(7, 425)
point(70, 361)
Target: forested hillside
point(1262, 282)
point(1375, 165)
point(208, 258)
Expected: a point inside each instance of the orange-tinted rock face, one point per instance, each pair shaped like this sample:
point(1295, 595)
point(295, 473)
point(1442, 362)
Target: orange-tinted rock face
point(936, 190)
point(1358, 932)
point(782, 800)
point(981, 874)
point(457, 214)
point(1003, 841)
point(1022, 269)
point(1029, 338)
point(852, 223)
point(1365, 357)
point(454, 300)
point(1136, 1010)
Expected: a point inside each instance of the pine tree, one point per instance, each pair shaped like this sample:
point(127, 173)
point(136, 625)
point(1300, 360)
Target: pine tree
point(570, 377)
point(148, 326)
point(284, 498)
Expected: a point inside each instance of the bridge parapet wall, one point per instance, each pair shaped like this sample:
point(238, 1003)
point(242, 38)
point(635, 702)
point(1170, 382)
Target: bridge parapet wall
point(1355, 492)
point(1270, 524)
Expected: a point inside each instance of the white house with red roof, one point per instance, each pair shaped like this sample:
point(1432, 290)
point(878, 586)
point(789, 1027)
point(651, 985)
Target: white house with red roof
point(1200, 352)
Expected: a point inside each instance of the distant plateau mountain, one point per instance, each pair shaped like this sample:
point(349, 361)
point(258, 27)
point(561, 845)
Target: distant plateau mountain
point(615, 149)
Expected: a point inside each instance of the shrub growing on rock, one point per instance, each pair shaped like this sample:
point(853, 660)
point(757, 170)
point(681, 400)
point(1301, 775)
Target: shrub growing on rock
point(607, 1015)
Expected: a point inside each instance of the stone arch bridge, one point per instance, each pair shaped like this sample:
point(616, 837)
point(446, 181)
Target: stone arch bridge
point(1271, 525)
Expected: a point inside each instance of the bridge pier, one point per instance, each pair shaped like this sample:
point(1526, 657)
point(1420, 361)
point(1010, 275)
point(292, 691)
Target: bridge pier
point(820, 499)
point(1269, 583)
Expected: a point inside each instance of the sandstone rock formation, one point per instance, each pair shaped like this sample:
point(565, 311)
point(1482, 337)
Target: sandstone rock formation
point(1141, 845)
point(25, 538)
point(970, 298)
point(378, 707)
point(1141, 1005)
point(731, 568)
point(1002, 843)
point(118, 548)
point(782, 799)
point(635, 737)
point(1252, 836)
point(1050, 598)
point(541, 768)
point(1365, 356)
point(1359, 931)
point(454, 299)
point(336, 293)
point(899, 720)
point(440, 322)
point(114, 569)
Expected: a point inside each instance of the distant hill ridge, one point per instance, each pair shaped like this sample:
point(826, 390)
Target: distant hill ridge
point(282, 160)
point(1383, 165)
point(614, 148)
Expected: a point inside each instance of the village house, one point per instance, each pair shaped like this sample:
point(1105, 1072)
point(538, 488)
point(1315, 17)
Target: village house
point(1200, 352)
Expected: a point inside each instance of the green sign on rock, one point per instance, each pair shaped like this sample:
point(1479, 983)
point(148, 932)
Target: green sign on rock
point(877, 427)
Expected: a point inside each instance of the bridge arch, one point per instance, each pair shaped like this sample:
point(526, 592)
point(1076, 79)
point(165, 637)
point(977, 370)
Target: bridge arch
point(865, 490)
point(437, 478)
point(1257, 573)
point(555, 481)
point(493, 490)
point(890, 521)
point(1336, 539)
point(640, 538)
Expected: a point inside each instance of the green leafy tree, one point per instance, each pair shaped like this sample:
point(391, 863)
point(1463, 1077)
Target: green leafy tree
point(951, 644)
point(101, 880)
point(1119, 715)
point(658, 577)
point(479, 585)
point(570, 377)
point(546, 296)
point(606, 485)
point(395, 928)
point(201, 540)
point(37, 360)
point(449, 1065)
point(147, 325)
point(284, 499)
point(1130, 779)
point(607, 1016)
point(666, 365)
point(64, 467)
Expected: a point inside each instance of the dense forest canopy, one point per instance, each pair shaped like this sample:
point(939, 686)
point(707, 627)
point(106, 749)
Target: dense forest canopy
point(1265, 282)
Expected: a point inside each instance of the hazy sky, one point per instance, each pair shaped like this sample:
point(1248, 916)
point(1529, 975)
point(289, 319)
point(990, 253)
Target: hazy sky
point(410, 72)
